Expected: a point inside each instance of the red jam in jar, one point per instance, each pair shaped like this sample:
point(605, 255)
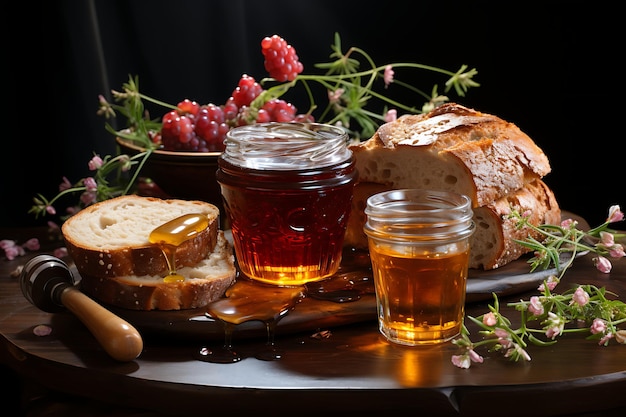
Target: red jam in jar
point(287, 190)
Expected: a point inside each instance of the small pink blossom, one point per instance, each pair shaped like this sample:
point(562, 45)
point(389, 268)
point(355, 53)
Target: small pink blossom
point(567, 223)
point(461, 361)
point(535, 306)
point(65, 184)
point(489, 319)
point(51, 210)
point(11, 249)
point(605, 340)
point(388, 75)
point(503, 338)
point(615, 214)
point(95, 163)
point(90, 184)
point(598, 326)
point(60, 252)
point(125, 163)
point(42, 330)
point(554, 325)
point(617, 251)
point(602, 264)
point(464, 361)
point(580, 297)
point(31, 244)
point(334, 96)
point(607, 239)
point(391, 115)
point(475, 357)
point(88, 197)
point(551, 282)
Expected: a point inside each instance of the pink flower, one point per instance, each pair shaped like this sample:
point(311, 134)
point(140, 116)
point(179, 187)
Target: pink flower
point(605, 340)
point(475, 357)
point(88, 197)
point(388, 75)
point(554, 325)
point(461, 361)
point(602, 264)
point(489, 319)
point(580, 297)
point(51, 210)
point(607, 239)
point(65, 184)
point(503, 338)
point(535, 306)
point(567, 223)
point(125, 163)
point(32, 244)
point(95, 163)
point(334, 96)
point(60, 252)
point(464, 361)
point(551, 282)
point(615, 214)
point(90, 184)
point(391, 115)
point(598, 326)
point(617, 251)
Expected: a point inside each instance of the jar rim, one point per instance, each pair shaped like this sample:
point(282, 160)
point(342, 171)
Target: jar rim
point(286, 146)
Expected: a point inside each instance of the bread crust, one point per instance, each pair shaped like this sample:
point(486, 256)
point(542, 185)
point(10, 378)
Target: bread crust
point(493, 244)
point(139, 258)
point(109, 244)
point(456, 149)
point(205, 282)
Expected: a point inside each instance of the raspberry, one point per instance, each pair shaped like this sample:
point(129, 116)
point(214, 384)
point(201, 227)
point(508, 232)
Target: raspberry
point(247, 90)
point(281, 60)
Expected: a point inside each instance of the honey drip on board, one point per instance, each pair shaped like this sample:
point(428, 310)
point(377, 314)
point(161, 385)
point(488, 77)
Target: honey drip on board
point(172, 234)
point(248, 300)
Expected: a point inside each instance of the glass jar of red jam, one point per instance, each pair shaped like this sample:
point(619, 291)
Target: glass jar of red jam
point(287, 190)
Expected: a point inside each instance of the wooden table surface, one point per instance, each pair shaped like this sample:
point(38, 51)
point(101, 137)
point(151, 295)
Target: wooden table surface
point(353, 370)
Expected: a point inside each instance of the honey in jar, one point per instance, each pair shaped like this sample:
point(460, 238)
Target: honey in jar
point(287, 190)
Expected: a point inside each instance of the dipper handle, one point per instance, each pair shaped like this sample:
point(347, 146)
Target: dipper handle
point(48, 283)
point(116, 336)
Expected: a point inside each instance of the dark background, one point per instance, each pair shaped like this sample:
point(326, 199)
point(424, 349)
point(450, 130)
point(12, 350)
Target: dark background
point(551, 68)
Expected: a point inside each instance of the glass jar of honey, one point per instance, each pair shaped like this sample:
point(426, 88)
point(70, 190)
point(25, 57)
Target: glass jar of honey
point(419, 245)
point(287, 190)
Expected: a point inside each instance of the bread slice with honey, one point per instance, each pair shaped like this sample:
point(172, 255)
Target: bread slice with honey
point(109, 244)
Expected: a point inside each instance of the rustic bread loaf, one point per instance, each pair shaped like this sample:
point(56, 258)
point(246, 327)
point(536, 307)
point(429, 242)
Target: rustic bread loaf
point(457, 149)
point(492, 244)
point(109, 244)
point(452, 148)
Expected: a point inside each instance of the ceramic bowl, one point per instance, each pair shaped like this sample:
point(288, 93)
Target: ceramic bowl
point(183, 175)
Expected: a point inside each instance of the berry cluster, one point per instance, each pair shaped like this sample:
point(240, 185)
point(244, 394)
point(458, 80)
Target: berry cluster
point(203, 128)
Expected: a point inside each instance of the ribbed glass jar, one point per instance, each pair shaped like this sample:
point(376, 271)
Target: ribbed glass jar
point(287, 190)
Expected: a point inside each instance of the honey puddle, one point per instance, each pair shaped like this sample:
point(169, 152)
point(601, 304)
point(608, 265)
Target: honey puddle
point(249, 300)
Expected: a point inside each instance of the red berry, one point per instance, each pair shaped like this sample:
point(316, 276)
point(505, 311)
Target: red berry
point(188, 107)
point(281, 60)
point(247, 90)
